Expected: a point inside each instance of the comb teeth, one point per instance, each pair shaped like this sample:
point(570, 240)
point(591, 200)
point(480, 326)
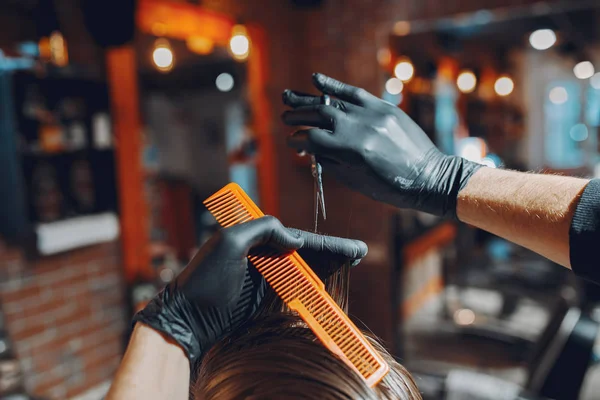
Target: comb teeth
point(302, 290)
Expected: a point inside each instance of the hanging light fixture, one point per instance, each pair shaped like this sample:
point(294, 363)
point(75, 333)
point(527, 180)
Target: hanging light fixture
point(404, 69)
point(58, 49)
point(542, 39)
point(504, 86)
point(162, 55)
point(239, 43)
point(558, 95)
point(584, 70)
point(394, 86)
point(466, 81)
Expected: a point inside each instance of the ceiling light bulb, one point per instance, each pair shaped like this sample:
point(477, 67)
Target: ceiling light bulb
point(579, 132)
point(584, 70)
point(542, 39)
point(394, 86)
point(404, 70)
point(558, 95)
point(504, 86)
point(466, 81)
point(162, 55)
point(239, 44)
point(595, 81)
point(224, 82)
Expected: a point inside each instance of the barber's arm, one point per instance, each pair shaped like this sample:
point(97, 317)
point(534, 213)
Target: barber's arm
point(206, 301)
point(375, 148)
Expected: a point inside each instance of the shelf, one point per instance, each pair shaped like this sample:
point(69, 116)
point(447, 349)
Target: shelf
point(72, 233)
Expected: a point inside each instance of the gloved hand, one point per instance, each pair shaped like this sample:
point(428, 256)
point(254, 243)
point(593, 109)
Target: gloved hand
point(217, 291)
point(375, 148)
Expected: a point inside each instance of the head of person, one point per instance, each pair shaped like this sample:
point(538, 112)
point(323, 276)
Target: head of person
point(276, 356)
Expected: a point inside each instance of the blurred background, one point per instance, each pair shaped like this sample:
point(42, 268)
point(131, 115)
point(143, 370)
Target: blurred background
point(118, 118)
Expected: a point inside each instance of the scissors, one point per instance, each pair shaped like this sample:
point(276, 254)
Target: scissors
point(317, 173)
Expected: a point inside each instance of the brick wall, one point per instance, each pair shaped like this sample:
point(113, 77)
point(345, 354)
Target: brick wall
point(66, 317)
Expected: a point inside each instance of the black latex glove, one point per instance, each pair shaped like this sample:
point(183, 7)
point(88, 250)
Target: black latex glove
point(217, 291)
point(375, 148)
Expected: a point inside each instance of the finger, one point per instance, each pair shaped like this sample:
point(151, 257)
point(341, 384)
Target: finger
point(320, 116)
point(297, 99)
point(266, 231)
point(333, 247)
point(314, 141)
point(344, 91)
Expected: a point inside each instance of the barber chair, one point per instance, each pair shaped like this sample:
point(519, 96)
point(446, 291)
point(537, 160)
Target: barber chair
point(522, 275)
point(556, 368)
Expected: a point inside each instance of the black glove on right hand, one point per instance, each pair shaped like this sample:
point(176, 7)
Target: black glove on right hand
point(375, 148)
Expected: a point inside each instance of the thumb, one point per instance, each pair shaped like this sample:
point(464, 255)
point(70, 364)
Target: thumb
point(265, 232)
point(332, 247)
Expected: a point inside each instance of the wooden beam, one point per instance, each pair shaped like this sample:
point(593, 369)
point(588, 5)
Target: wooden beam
point(182, 21)
point(258, 74)
point(123, 85)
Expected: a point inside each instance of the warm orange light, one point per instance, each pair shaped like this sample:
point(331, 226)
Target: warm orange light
point(159, 29)
point(44, 48)
point(200, 45)
point(402, 28)
point(464, 316)
point(384, 57)
point(58, 49)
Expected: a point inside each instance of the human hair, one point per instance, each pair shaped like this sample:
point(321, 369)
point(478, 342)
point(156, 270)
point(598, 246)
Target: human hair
point(276, 356)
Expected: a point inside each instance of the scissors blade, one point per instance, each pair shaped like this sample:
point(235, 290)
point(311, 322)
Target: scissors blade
point(316, 203)
point(314, 171)
point(320, 192)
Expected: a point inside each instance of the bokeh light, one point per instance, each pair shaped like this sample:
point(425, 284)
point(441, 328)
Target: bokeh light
point(595, 80)
point(466, 81)
point(239, 44)
point(162, 55)
point(542, 39)
point(579, 132)
point(404, 70)
point(504, 86)
point(558, 95)
point(224, 82)
point(394, 86)
point(464, 316)
point(584, 70)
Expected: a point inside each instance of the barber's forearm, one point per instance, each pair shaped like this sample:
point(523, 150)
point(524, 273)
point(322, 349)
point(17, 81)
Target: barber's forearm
point(153, 368)
point(534, 211)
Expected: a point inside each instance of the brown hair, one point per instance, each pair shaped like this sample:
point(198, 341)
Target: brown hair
point(276, 356)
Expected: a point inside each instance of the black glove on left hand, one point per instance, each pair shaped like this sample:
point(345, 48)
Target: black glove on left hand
point(217, 291)
point(375, 148)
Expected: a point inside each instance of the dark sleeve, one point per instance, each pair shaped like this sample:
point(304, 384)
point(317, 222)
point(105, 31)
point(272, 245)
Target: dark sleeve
point(584, 235)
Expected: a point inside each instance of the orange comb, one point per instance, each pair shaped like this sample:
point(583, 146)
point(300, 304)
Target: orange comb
point(302, 290)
